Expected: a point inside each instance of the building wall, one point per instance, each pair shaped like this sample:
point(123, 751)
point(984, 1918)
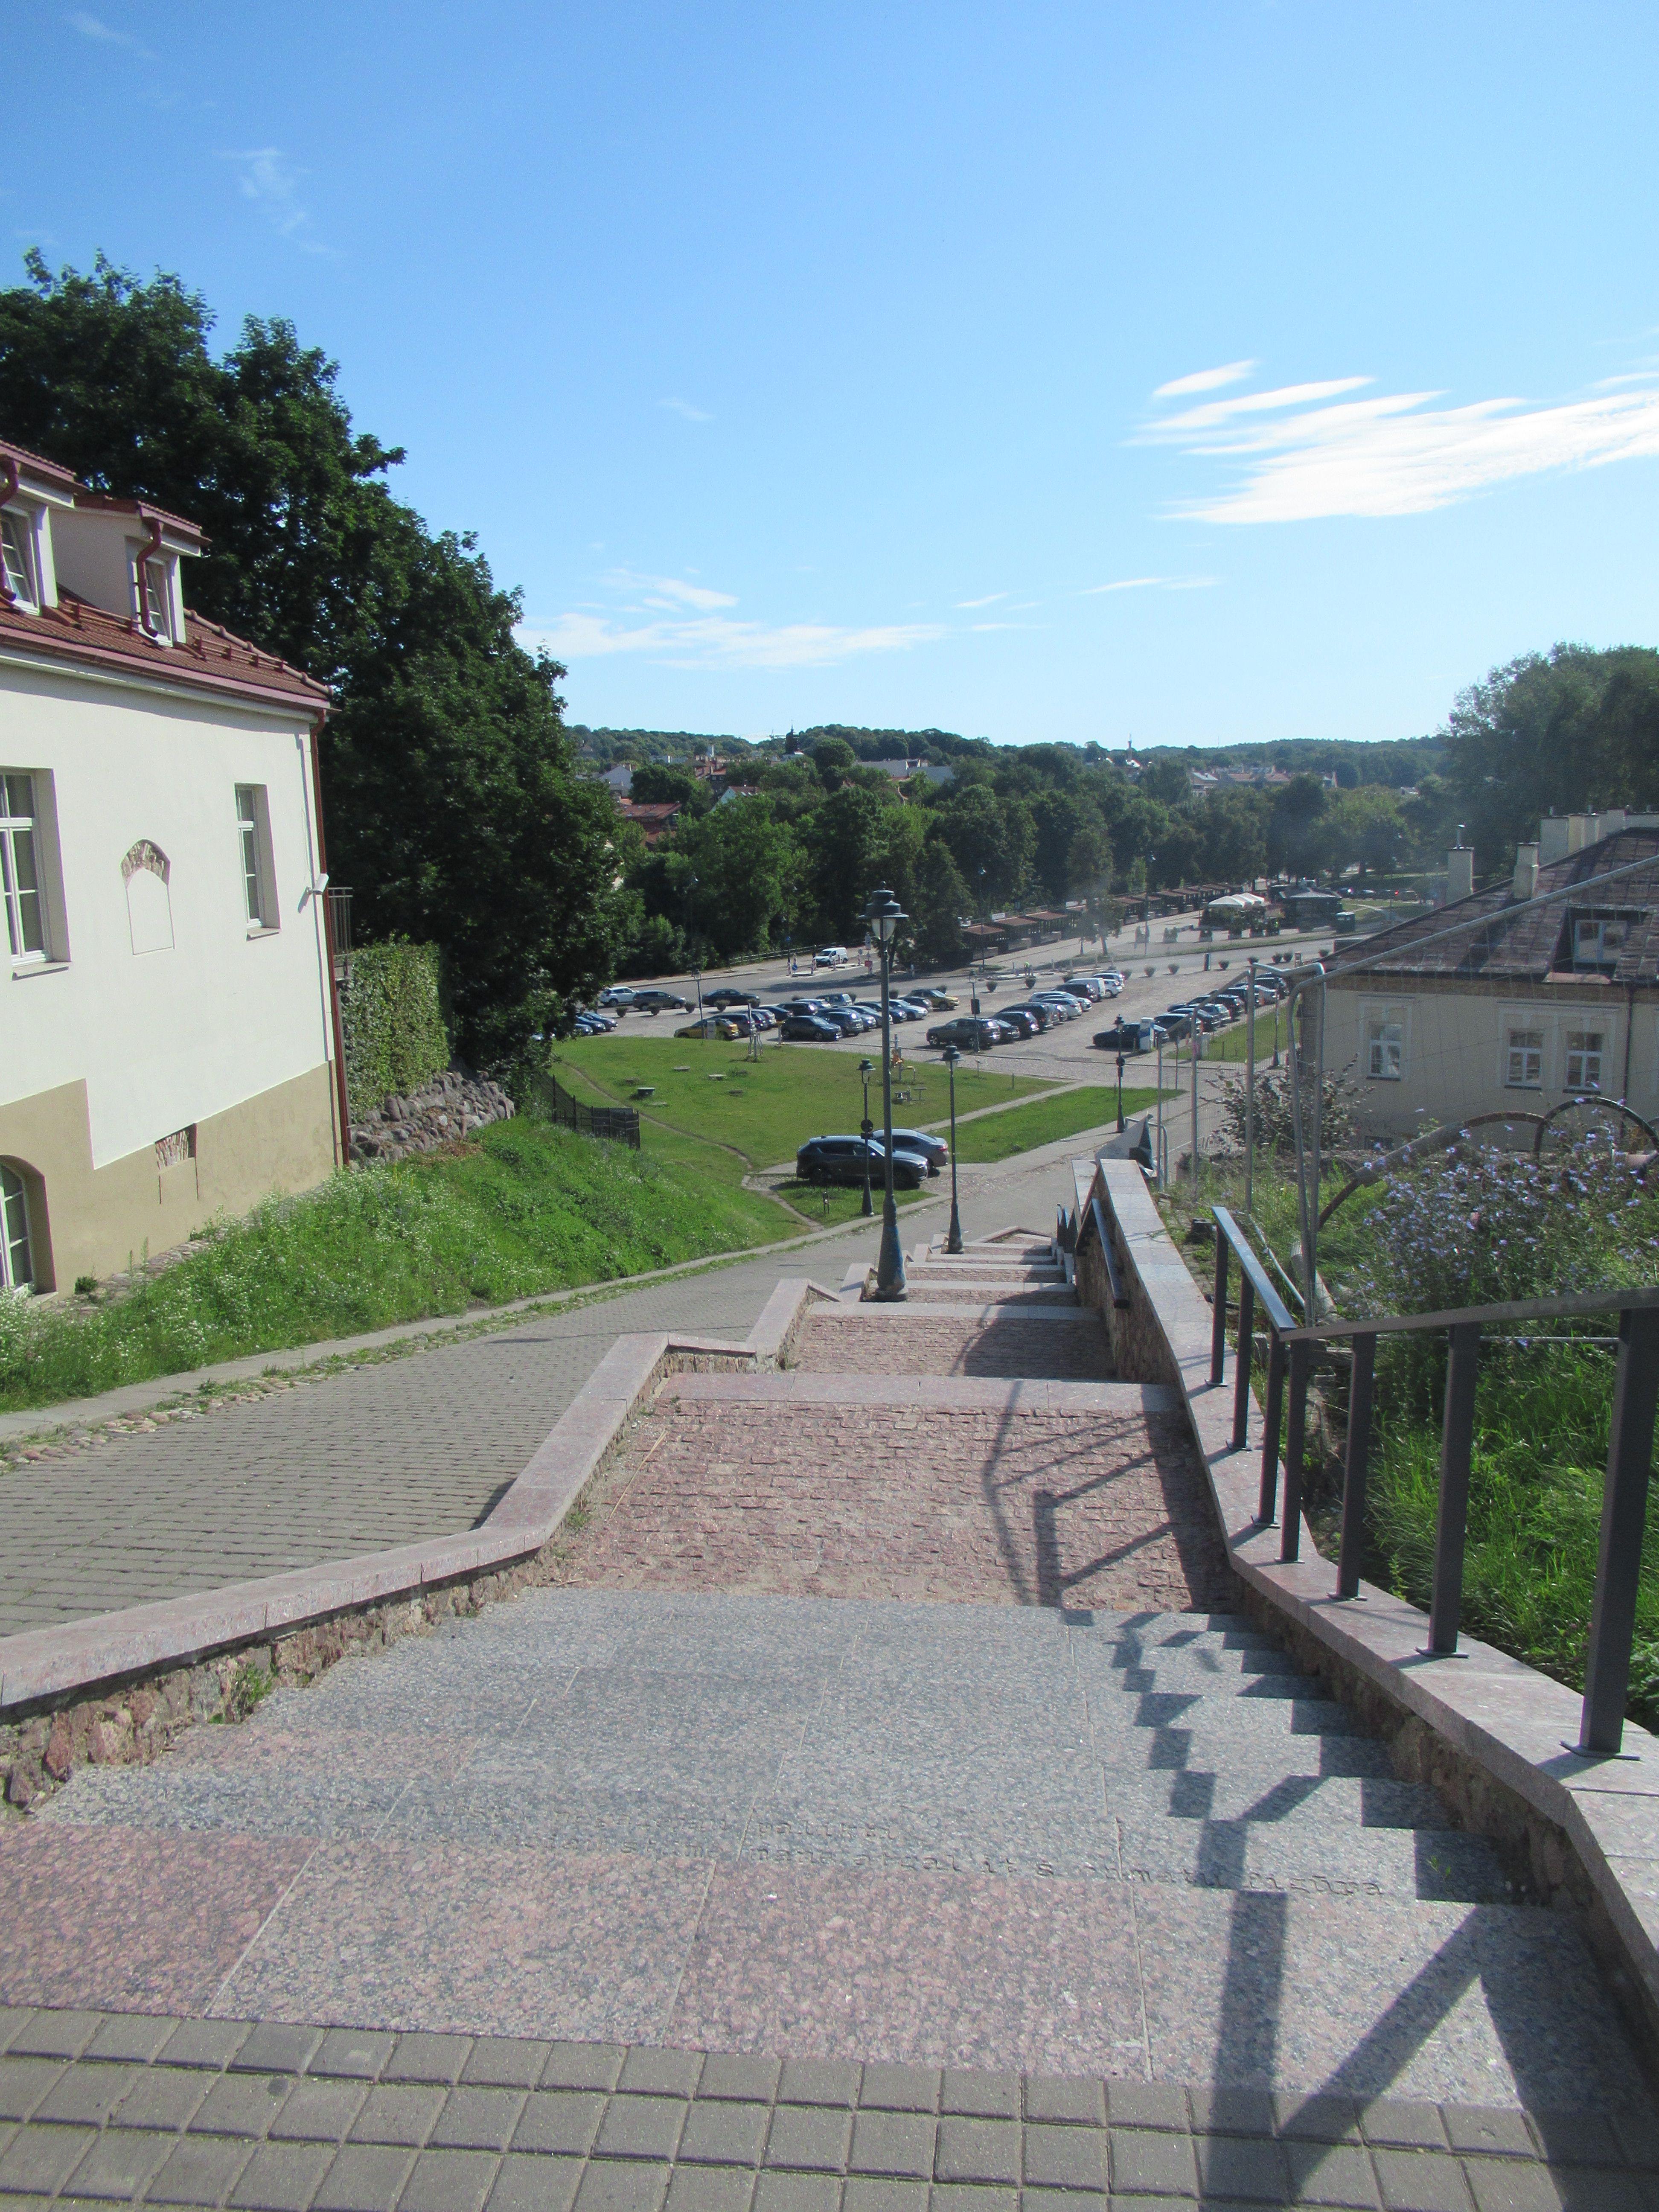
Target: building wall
point(1457, 1042)
point(163, 1010)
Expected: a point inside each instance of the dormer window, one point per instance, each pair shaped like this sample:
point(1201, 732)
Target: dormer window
point(1596, 942)
point(17, 545)
point(157, 620)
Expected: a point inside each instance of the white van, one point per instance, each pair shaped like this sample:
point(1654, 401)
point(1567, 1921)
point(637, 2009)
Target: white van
point(830, 956)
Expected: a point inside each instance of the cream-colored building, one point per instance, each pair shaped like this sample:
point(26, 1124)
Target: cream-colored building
point(168, 1031)
point(1516, 1000)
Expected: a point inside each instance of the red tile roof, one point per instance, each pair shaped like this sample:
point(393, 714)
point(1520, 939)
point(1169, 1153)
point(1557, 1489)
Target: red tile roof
point(210, 661)
point(65, 479)
point(104, 503)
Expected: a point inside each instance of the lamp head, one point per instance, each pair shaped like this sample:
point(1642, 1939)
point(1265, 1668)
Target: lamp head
point(951, 1056)
point(884, 914)
point(867, 1067)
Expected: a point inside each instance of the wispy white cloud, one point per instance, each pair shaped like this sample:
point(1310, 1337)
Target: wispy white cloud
point(270, 180)
point(1205, 380)
point(1148, 584)
point(1303, 452)
point(989, 600)
point(684, 407)
point(105, 34)
point(683, 625)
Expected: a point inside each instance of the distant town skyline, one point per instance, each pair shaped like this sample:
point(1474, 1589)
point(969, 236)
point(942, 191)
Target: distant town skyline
point(1257, 372)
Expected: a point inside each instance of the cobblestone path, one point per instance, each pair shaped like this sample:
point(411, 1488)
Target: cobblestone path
point(887, 1816)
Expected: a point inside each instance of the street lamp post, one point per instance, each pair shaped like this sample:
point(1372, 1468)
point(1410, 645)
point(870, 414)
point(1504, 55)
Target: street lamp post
point(1120, 1095)
point(953, 1241)
point(867, 1130)
point(884, 914)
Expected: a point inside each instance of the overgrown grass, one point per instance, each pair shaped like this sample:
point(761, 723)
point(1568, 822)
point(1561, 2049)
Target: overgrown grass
point(525, 1208)
point(1045, 1120)
point(765, 1108)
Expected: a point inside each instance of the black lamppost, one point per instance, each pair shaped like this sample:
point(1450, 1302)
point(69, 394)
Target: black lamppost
point(953, 1242)
point(884, 914)
point(1120, 1095)
point(867, 1130)
point(691, 948)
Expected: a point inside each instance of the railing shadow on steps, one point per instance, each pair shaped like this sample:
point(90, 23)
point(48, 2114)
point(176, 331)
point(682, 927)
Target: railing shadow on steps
point(1290, 1355)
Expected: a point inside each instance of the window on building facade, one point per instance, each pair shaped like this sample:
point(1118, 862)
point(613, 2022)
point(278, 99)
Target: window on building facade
point(16, 1263)
point(1598, 939)
point(18, 554)
point(155, 599)
point(1386, 1042)
point(253, 829)
point(1523, 1068)
point(1585, 1060)
point(20, 868)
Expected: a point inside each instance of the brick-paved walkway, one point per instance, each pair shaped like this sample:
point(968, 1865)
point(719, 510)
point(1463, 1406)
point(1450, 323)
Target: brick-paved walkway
point(120, 2107)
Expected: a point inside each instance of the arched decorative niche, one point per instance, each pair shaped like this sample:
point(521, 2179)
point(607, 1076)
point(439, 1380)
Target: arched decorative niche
point(147, 873)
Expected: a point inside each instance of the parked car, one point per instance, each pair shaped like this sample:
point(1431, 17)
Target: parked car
point(807, 1029)
point(1111, 980)
point(1175, 1023)
point(974, 1032)
point(830, 956)
point(660, 1002)
point(725, 996)
point(1128, 1037)
point(1065, 1007)
point(933, 1149)
point(1044, 1016)
point(940, 1002)
point(711, 1025)
point(841, 1159)
point(619, 995)
point(1020, 1019)
point(763, 1017)
point(1089, 985)
point(847, 1020)
point(588, 1025)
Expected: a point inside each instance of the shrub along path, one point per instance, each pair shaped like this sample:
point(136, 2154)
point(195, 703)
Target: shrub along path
point(880, 1808)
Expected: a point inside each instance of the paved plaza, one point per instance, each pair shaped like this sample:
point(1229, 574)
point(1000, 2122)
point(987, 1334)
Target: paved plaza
point(883, 1811)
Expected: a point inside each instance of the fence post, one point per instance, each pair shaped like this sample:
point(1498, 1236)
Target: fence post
point(1264, 1511)
point(1219, 1319)
point(1456, 1445)
point(1246, 1354)
point(1353, 1477)
point(1624, 1510)
point(1296, 1434)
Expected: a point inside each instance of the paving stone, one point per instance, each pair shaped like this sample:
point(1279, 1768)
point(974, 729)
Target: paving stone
point(812, 2137)
point(87, 2093)
point(135, 2036)
point(1487, 2131)
point(318, 2112)
point(363, 2177)
point(505, 2062)
point(583, 2066)
point(721, 2132)
point(42, 2159)
point(564, 2121)
point(281, 2176)
point(1330, 2172)
point(899, 2144)
point(986, 2151)
point(1147, 2161)
point(741, 2075)
point(1230, 2112)
point(1065, 2157)
point(166, 2097)
point(1066, 2097)
point(972, 2196)
point(401, 2113)
point(449, 2181)
point(1316, 2118)
point(641, 2127)
point(1420, 2181)
point(796, 2192)
point(427, 2059)
point(817, 2082)
point(862, 2193)
point(661, 2072)
point(711, 2188)
point(54, 2034)
point(200, 2170)
point(120, 2162)
point(530, 2184)
point(206, 2043)
point(356, 2054)
point(240, 2104)
point(1409, 2126)
point(14, 2019)
point(981, 2095)
point(1065, 2200)
point(1507, 2185)
point(622, 2184)
point(25, 2083)
point(478, 2120)
point(1242, 2167)
point(1146, 2104)
point(1578, 2138)
point(894, 2088)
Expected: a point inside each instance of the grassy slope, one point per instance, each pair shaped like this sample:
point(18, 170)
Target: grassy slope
point(765, 1109)
point(1045, 1120)
point(526, 1207)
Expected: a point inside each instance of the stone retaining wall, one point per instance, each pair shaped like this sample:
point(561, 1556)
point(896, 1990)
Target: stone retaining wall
point(452, 1105)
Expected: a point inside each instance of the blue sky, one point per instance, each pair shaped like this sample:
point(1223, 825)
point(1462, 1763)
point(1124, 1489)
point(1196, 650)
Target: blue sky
point(1185, 372)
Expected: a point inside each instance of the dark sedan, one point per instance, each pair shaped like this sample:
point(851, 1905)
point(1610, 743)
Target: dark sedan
point(970, 1031)
point(841, 1159)
point(807, 1029)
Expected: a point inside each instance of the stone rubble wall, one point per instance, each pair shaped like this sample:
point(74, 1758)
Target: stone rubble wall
point(452, 1105)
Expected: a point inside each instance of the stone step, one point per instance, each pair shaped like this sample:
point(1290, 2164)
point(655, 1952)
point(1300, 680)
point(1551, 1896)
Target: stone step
point(940, 1394)
point(1210, 1723)
point(1135, 1669)
point(1260, 1791)
point(1435, 1864)
point(985, 1292)
point(1037, 1342)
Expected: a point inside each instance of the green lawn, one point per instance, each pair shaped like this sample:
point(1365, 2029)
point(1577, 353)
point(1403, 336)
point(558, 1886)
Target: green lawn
point(525, 1208)
point(1045, 1120)
point(764, 1110)
point(1230, 1043)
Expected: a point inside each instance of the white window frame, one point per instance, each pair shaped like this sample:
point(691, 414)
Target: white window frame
point(21, 557)
point(17, 1275)
point(1581, 1053)
point(1385, 1043)
point(21, 855)
point(257, 866)
point(1523, 1058)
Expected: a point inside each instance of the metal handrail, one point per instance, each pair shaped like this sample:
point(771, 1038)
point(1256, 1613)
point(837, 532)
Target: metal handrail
point(1630, 1455)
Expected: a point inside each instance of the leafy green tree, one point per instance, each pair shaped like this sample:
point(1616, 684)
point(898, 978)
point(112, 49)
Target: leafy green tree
point(1234, 825)
point(1167, 778)
point(656, 783)
point(748, 865)
point(835, 760)
point(451, 800)
point(1296, 832)
point(1365, 829)
point(938, 899)
point(989, 839)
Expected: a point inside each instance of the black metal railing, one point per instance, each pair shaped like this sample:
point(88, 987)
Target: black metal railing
point(619, 1125)
point(1623, 1505)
